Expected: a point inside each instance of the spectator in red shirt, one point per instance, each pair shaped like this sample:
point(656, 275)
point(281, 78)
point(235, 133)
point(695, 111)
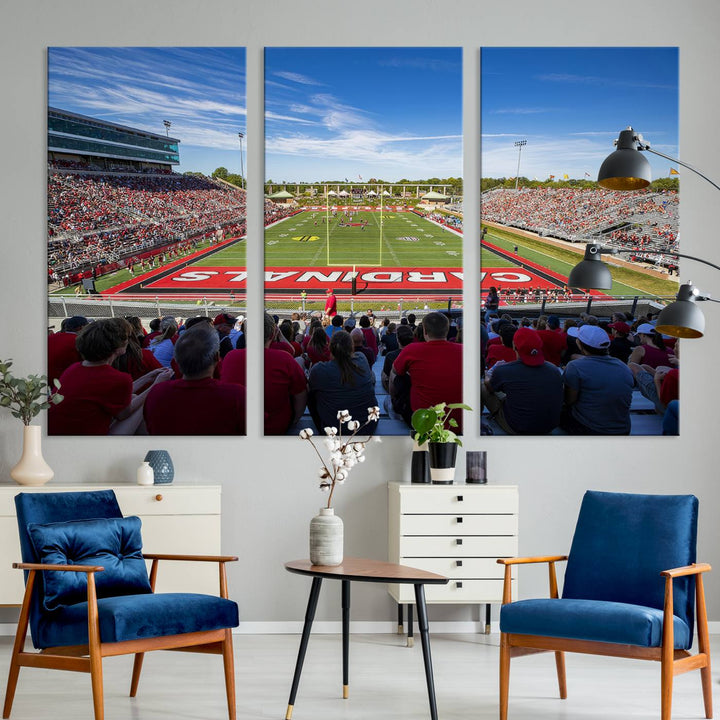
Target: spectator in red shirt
point(554, 340)
point(61, 349)
point(434, 367)
point(285, 386)
point(198, 404)
point(505, 350)
point(330, 304)
point(98, 399)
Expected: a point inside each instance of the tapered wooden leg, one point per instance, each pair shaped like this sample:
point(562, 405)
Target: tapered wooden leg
point(667, 654)
point(96, 671)
point(137, 668)
point(704, 645)
point(560, 666)
point(504, 675)
point(229, 666)
point(19, 645)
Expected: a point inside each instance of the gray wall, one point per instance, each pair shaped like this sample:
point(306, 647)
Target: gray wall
point(269, 484)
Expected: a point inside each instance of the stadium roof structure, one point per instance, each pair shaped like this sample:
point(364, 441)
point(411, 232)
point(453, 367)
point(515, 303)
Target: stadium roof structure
point(74, 134)
point(281, 195)
point(432, 195)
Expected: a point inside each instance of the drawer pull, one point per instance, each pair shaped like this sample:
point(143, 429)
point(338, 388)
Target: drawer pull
point(458, 541)
point(159, 497)
point(459, 520)
point(458, 585)
point(458, 563)
point(459, 498)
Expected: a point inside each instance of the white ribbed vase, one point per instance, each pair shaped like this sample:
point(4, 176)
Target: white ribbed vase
point(326, 538)
point(32, 468)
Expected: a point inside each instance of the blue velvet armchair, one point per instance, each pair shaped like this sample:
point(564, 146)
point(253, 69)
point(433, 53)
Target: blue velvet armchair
point(632, 589)
point(88, 595)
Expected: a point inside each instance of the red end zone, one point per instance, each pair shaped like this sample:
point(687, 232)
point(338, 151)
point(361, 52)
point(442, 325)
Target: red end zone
point(295, 280)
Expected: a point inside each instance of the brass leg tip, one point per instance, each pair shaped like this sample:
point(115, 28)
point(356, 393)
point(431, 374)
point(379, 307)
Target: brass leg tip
point(346, 692)
point(288, 714)
point(411, 642)
point(487, 629)
point(400, 630)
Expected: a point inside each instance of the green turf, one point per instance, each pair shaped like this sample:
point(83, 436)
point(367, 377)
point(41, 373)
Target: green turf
point(302, 241)
point(625, 281)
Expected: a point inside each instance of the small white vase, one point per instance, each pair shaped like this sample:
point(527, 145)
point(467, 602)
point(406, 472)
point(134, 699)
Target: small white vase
point(326, 538)
point(145, 474)
point(32, 468)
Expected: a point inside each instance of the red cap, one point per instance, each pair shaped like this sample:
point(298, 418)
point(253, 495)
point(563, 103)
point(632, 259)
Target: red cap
point(621, 327)
point(529, 347)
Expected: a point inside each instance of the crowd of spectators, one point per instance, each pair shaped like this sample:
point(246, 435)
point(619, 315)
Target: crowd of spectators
point(325, 364)
point(578, 376)
point(181, 378)
point(573, 213)
point(101, 217)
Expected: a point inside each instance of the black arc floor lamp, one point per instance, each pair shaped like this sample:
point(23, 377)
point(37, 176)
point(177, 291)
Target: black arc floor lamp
point(628, 169)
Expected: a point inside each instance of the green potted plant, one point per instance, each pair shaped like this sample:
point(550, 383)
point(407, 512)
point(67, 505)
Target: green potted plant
point(26, 398)
point(434, 426)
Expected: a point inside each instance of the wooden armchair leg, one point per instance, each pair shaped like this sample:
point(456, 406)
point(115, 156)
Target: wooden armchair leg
point(562, 682)
point(229, 665)
point(19, 645)
point(11, 685)
point(137, 668)
point(504, 675)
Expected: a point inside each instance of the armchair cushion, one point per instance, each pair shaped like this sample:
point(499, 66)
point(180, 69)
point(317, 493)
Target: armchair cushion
point(138, 616)
point(597, 620)
point(113, 543)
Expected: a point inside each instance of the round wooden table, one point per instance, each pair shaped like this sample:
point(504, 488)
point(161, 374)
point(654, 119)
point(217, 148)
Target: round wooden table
point(363, 570)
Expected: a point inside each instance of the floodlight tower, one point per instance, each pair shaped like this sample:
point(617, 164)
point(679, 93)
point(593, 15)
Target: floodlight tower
point(167, 125)
point(242, 171)
point(519, 144)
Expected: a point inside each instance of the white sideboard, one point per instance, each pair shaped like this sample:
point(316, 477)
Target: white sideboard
point(457, 530)
point(176, 518)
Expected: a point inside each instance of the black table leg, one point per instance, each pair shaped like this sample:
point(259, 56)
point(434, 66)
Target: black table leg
point(410, 637)
point(346, 635)
point(487, 618)
point(309, 615)
point(425, 640)
point(400, 629)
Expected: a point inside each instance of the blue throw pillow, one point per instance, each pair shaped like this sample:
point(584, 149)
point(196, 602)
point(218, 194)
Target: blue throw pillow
point(113, 543)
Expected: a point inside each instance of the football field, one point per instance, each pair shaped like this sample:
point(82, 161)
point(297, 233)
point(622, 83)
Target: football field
point(362, 238)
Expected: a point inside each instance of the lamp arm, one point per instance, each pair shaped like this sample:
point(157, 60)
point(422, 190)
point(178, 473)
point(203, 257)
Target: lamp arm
point(679, 162)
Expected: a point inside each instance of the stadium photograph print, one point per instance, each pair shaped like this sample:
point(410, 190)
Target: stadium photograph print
point(363, 234)
point(559, 359)
point(146, 240)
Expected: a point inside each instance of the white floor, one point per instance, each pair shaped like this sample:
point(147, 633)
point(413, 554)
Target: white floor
point(386, 683)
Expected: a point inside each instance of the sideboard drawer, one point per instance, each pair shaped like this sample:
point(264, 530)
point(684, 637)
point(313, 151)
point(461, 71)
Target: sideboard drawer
point(446, 546)
point(456, 591)
point(460, 499)
point(458, 525)
point(167, 500)
point(473, 568)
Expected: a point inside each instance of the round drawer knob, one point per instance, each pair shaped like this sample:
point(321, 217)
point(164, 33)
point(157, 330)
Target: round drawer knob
point(158, 497)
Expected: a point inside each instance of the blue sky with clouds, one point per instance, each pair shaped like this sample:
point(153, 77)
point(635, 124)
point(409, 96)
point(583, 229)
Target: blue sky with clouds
point(201, 91)
point(570, 104)
point(335, 113)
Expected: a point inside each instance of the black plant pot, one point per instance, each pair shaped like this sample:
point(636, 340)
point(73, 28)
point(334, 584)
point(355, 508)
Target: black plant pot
point(442, 462)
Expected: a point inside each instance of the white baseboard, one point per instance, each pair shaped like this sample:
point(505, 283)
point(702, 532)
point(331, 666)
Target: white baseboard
point(292, 627)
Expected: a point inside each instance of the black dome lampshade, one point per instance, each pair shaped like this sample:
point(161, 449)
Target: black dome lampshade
point(682, 318)
point(591, 272)
point(626, 168)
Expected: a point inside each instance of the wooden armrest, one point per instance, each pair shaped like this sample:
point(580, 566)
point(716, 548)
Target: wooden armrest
point(693, 569)
point(66, 568)
point(528, 560)
point(193, 558)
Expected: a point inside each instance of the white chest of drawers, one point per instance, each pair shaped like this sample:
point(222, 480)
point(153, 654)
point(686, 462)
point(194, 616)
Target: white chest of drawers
point(455, 530)
point(181, 519)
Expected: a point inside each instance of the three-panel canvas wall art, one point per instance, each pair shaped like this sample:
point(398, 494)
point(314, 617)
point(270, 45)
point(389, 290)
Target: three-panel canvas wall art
point(363, 209)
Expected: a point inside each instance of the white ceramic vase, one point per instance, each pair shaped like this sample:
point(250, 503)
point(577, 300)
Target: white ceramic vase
point(326, 538)
point(32, 468)
point(145, 474)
